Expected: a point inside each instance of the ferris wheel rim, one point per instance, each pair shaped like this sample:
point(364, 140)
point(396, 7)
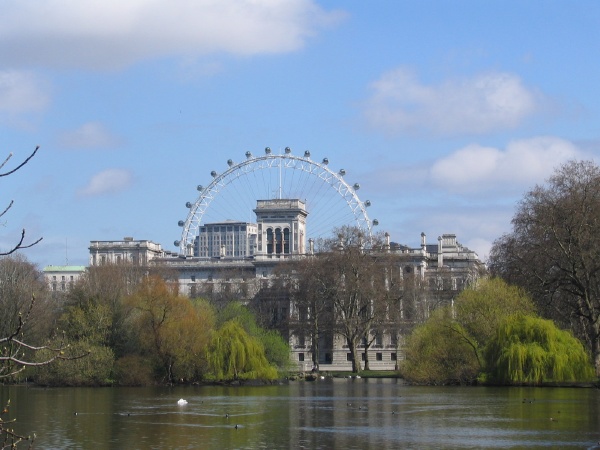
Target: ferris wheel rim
point(251, 164)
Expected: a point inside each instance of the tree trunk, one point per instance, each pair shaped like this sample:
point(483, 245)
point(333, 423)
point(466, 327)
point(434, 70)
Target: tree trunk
point(354, 355)
point(367, 346)
point(315, 349)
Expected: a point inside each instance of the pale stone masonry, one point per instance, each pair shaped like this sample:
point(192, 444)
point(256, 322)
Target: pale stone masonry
point(236, 260)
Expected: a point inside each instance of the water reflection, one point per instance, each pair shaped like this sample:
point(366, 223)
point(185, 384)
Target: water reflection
point(329, 414)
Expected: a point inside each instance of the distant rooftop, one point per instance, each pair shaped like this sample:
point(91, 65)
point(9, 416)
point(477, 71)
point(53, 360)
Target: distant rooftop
point(64, 268)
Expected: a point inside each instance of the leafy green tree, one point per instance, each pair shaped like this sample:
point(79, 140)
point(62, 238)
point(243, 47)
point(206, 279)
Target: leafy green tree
point(95, 369)
point(170, 330)
point(277, 350)
point(234, 354)
point(479, 310)
point(531, 350)
point(553, 250)
point(98, 298)
point(450, 346)
point(436, 353)
point(187, 335)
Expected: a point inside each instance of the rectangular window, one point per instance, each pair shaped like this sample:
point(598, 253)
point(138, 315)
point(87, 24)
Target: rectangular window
point(301, 341)
point(300, 357)
point(379, 356)
point(363, 356)
point(348, 356)
point(393, 357)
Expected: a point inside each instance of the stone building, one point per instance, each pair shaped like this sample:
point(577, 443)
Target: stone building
point(126, 251)
point(61, 278)
point(241, 262)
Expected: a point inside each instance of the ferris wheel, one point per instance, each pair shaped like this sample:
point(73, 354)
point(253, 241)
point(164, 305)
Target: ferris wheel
point(232, 195)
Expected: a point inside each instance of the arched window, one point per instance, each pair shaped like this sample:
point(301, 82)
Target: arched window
point(269, 241)
point(278, 241)
point(286, 240)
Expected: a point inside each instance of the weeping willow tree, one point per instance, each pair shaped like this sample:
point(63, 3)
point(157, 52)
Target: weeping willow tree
point(438, 353)
point(233, 354)
point(530, 350)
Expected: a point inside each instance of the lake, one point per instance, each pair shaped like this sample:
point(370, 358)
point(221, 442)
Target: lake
point(324, 414)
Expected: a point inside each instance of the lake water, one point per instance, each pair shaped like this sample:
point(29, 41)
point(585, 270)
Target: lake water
point(324, 414)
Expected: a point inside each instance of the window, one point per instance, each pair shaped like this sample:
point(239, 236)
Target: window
point(363, 356)
point(348, 356)
point(328, 357)
point(379, 356)
point(301, 341)
point(300, 357)
point(193, 277)
point(393, 357)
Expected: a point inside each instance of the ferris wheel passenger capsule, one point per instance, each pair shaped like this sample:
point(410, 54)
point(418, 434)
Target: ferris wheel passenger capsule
point(356, 186)
point(342, 172)
point(325, 161)
point(375, 222)
point(367, 203)
point(188, 204)
point(267, 150)
point(249, 154)
point(180, 223)
point(306, 153)
point(288, 150)
point(199, 187)
point(213, 174)
point(176, 243)
point(230, 162)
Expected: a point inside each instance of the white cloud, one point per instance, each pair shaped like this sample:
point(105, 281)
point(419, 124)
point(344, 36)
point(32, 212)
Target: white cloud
point(486, 102)
point(109, 181)
point(89, 135)
point(521, 165)
point(113, 33)
point(22, 92)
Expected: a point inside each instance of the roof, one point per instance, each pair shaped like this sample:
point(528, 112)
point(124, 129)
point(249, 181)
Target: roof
point(64, 269)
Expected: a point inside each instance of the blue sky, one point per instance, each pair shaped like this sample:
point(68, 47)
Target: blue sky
point(445, 112)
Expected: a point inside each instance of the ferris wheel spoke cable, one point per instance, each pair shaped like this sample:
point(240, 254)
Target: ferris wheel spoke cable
point(330, 201)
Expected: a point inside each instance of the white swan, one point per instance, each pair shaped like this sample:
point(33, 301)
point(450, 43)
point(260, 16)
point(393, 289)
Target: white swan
point(181, 402)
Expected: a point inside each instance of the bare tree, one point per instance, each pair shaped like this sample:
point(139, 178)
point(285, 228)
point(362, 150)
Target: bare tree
point(16, 353)
point(553, 250)
point(21, 242)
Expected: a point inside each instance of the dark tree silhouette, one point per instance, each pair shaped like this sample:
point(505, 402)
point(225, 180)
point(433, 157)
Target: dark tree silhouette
point(16, 353)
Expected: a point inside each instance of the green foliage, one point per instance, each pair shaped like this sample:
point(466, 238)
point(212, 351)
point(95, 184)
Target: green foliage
point(133, 370)
point(233, 354)
point(492, 334)
point(277, 350)
point(172, 331)
point(436, 353)
point(89, 321)
point(532, 350)
point(480, 309)
point(95, 369)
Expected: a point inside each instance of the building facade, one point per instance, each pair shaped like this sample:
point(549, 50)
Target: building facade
point(229, 239)
point(126, 251)
point(61, 278)
point(240, 261)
